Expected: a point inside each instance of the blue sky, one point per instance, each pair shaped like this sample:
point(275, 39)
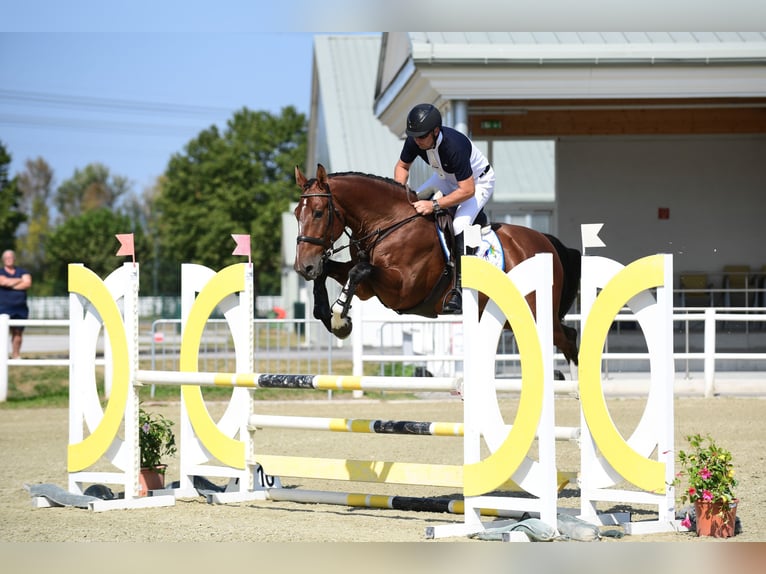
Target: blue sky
point(131, 100)
point(129, 84)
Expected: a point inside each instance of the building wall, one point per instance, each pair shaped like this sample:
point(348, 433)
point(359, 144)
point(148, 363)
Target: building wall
point(713, 186)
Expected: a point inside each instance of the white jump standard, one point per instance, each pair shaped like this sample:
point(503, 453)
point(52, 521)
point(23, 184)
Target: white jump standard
point(229, 447)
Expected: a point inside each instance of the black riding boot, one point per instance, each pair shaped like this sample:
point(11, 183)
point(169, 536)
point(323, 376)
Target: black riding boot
point(454, 304)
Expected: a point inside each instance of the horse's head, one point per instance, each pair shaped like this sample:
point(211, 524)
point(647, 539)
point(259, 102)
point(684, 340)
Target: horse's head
point(318, 223)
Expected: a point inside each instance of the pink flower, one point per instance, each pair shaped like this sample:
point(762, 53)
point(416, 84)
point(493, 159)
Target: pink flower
point(686, 522)
point(705, 473)
point(707, 495)
point(692, 491)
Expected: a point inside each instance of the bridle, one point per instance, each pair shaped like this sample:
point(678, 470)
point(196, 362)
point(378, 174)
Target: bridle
point(327, 241)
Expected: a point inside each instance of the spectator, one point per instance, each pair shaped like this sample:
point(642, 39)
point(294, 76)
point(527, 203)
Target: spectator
point(14, 282)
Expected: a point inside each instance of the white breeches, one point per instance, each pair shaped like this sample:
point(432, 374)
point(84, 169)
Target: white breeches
point(467, 211)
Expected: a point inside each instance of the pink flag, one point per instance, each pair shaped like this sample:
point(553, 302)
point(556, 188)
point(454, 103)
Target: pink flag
point(243, 244)
point(126, 245)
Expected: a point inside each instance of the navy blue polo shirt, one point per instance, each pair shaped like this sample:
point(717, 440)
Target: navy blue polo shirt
point(455, 150)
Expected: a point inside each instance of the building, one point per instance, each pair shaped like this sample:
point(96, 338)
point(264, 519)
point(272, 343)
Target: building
point(660, 136)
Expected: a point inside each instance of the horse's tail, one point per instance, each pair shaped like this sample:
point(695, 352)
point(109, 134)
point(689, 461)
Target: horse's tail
point(571, 263)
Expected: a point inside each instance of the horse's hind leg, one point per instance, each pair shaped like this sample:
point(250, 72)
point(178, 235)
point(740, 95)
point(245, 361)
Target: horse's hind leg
point(571, 335)
point(565, 338)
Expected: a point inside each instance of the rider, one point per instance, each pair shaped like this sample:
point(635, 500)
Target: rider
point(461, 172)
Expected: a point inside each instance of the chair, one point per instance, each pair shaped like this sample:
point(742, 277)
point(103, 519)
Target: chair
point(695, 290)
point(736, 281)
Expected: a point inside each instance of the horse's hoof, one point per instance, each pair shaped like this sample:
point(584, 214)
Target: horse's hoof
point(343, 331)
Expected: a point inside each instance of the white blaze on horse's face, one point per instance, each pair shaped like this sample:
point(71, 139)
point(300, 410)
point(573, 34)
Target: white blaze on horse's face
point(298, 214)
point(312, 229)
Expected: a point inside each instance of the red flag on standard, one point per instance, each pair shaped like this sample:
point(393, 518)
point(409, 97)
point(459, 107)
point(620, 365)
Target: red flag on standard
point(126, 244)
point(243, 244)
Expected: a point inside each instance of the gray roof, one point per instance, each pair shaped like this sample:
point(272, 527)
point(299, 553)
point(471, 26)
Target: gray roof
point(353, 138)
point(507, 47)
point(571, 38)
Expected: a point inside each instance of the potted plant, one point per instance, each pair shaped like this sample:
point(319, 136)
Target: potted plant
point(155, 441)
point(709, 473)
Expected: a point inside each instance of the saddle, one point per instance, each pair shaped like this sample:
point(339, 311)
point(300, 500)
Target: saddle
point(446, 234)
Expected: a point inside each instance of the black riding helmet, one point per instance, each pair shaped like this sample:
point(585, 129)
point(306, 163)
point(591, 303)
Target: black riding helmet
point(422, 119)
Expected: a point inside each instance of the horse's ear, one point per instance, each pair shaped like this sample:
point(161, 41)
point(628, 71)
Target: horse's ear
point(300, 179)
point(321, 174)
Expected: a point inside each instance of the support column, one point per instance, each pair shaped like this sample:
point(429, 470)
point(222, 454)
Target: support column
point(460, 115)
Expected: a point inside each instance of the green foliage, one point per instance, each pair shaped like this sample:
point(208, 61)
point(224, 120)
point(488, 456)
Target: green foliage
point(238, 181)
point(709, 472)
point(89, 239)
point(35, 184)
point(88, 189)
point(10, 214)
point(155, 438)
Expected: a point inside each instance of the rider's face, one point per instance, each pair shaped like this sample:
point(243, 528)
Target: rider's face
point(427, 141)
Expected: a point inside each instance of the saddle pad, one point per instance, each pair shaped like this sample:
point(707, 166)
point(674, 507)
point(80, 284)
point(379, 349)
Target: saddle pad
point(491, 249)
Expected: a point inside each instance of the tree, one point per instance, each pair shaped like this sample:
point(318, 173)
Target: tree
point(238, 181)
point(11, 215)
point(35, 184)
point(91, 188)
point(141, 210)
point(89, 238)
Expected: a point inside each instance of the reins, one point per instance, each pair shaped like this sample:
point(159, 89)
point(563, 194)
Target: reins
point(327, 241)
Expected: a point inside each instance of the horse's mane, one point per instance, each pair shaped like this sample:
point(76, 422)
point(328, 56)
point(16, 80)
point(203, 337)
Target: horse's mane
point(379, 178)
point(366, 175)
point(392, 190)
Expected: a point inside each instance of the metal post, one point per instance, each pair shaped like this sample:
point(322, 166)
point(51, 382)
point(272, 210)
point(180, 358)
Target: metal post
point(5, 321)
point(709, 352)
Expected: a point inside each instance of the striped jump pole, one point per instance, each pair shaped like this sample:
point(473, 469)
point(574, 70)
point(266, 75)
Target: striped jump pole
point(326, 382)
point(377, 426)
point(288, 381)
point(377, 501)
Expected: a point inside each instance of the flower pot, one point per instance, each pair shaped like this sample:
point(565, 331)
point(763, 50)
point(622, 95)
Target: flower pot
point(151, 479)
point(712, 522)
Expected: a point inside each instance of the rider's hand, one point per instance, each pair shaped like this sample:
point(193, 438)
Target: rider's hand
point(424, 207)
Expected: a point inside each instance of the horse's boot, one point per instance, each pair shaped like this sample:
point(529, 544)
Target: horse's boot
point(454, 304)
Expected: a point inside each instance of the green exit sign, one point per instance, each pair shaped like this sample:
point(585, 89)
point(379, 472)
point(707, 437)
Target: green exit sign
point(491, 125)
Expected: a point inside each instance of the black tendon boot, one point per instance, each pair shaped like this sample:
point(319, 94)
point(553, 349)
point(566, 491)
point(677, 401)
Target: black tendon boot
point(454, 304)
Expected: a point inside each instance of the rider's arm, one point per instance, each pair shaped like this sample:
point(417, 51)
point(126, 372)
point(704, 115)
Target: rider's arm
point(402, 172)
point(465, 189)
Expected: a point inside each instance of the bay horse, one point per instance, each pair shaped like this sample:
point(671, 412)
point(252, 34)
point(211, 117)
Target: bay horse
point(396, 255)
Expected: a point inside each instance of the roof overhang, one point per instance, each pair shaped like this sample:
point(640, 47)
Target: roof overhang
point(438, 73)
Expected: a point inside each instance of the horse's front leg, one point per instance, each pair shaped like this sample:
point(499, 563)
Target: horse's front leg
point(339, 271)
point(322, 302)
point(341, 322)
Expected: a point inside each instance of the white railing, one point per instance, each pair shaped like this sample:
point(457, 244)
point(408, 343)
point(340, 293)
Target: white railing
point(701, 336)
point(698, 337)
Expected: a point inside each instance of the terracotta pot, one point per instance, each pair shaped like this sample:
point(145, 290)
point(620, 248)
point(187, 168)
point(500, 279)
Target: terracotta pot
point(710, 520)
point(151, 479)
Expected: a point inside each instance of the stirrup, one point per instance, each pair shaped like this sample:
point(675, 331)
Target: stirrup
point(454, 306)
